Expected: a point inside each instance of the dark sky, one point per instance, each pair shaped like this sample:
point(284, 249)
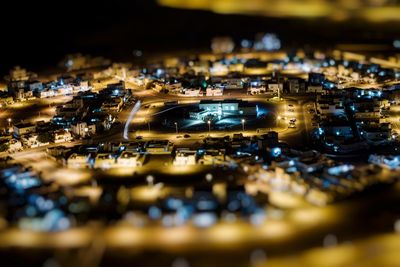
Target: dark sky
point(37, 34)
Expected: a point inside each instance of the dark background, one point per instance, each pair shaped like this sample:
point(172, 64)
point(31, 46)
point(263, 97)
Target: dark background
point(37, 34)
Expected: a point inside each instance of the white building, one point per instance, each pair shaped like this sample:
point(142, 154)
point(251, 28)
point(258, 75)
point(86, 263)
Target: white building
point(184, 158)
point(23, 128)
point(104, 161)
point(214, 91)
point(213, 158)
point(256, 90)
point(83, 129)
point(173, 87)
point(64, 90)
point(78, 161)
point(46, 93)
point(112, 105)
point(219, 69)
point(31, 140)
point(159, 147)
point(193, 92)
point(62, 136)
point(275, 88)
point(129, 159)
point(82, 87)
point(15, 145)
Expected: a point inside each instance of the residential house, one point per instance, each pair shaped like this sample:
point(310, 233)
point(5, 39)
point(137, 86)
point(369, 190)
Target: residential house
point(23, 128)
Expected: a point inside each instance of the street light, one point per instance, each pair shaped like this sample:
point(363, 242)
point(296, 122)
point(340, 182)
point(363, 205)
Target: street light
point(277, 120)
point(150, 180)
point(209, 127)
point(9, 122)
point(176, 127)
point(243, 121)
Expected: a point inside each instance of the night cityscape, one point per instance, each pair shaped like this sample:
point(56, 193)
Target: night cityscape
point(191, 133)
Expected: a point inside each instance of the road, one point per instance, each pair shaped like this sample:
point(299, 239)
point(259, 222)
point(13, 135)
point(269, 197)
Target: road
point(40, 109)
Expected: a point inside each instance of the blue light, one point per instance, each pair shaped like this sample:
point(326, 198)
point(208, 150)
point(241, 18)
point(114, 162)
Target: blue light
point(174, 203)
point(245, 43)
point(154, 213)
point(205, 219)
point(396, 43)
point(205, 205)
point(276, 152)
point(337, 170)
point(326, 184)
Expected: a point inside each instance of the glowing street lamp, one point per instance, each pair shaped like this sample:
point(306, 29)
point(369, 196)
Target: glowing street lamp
point(176, 127)
point(209, 127)
point(277, 120)
point(150, 180)
point(9, 122)
point(243, 121)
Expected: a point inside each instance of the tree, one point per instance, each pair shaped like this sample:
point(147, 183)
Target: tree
point(4, 147)
point(45, 137)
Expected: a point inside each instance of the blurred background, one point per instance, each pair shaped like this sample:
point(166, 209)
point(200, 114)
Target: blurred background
point(37, 34)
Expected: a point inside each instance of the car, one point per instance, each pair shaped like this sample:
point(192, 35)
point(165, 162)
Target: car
point(291, 110)
point(139, 137)
point(293, 120)
point(186, 136)
point(292, 126)
point(290, 105)
point(179, 136)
